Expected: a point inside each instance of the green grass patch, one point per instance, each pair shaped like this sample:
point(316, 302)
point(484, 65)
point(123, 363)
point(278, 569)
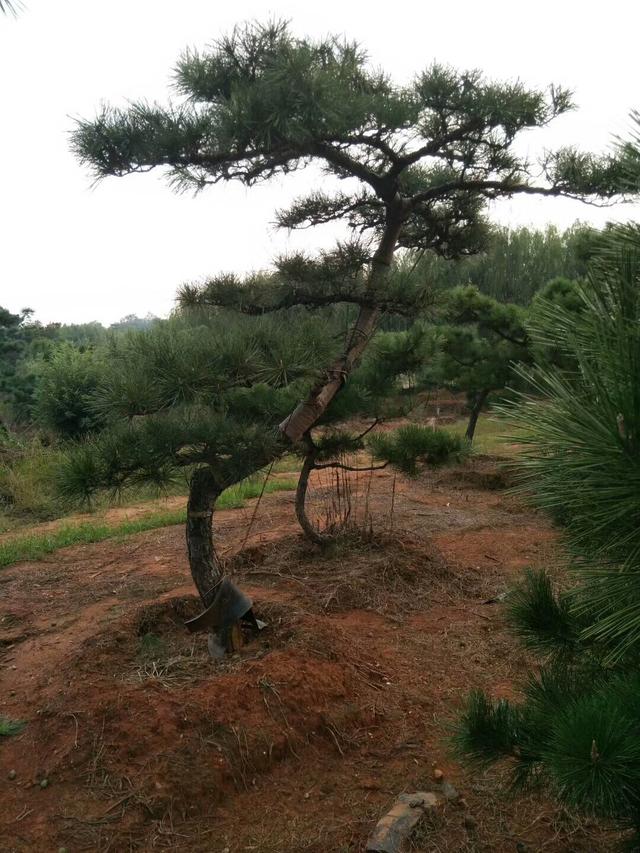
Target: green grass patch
point(10, 727)
point(152, 646)
point(38, 545)
point(288, 464)
point(492, 435)
point(235, 496)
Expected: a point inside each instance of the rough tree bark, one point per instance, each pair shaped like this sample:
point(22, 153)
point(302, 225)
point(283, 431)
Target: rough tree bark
point(205, 566)
point(309, 412)
point(301, 501)
point(476, 408)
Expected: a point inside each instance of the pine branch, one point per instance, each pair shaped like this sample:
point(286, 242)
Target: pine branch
point(347, 166)
point(272, 297)
point(337, 276)
point(493, 189)
point(320, 209)
point(541, 618)
point(11, 6)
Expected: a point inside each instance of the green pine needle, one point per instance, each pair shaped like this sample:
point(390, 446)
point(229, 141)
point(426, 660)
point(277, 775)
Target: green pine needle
point(410, 446)
point(593, 756)
point(542, 619)
point(486, 730)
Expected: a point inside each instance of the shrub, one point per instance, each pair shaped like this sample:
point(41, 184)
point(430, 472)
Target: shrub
point(409, 446)
point(66, 391)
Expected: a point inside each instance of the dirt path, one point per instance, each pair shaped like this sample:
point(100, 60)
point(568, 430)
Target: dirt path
point(301, 742)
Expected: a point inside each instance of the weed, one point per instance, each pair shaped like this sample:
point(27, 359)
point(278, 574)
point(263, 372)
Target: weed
point(152, 646)
point(10, 727)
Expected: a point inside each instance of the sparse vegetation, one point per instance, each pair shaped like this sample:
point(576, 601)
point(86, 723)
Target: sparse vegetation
point(10, 727)
point(18, 547)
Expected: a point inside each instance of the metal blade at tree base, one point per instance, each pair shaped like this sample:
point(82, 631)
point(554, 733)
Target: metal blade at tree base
point(229, 605)
point(222, 619)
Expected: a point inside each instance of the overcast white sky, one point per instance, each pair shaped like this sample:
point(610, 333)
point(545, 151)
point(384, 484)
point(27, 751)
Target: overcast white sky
point(76, 253)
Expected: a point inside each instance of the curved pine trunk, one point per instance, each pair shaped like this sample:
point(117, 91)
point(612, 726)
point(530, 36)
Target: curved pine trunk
point(301, 502)
point(205, 566)
point(308, 413)
point(203, 491)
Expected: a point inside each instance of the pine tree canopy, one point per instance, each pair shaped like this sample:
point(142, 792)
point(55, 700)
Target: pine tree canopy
point(423, 161)
point(262, 102)
point(480, 341)
point(200, 390)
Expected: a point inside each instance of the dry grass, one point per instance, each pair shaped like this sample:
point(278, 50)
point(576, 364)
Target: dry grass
point(390, 574)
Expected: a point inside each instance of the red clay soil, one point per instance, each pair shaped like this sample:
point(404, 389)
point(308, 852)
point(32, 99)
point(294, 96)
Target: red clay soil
point(136, 740)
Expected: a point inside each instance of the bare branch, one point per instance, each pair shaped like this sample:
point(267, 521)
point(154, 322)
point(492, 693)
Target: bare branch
point(343, 467)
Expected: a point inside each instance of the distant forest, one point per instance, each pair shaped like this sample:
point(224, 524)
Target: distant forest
point(26, 344)
point(515, 265)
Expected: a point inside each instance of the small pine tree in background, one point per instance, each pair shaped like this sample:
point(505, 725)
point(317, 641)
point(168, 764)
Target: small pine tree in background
point(409, 446)
point(66, 384)
point(470, 342)
point(477, 342)
point(577, 729)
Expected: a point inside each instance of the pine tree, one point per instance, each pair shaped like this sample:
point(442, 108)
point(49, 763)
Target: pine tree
point(479, 341)
point(577, 729)
point(66, 383)
point(423, 160)
point(547, 346)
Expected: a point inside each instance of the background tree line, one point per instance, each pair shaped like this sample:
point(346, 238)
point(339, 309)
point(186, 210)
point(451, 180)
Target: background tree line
point(516, 264)
point(53, 377)
point(28, 347)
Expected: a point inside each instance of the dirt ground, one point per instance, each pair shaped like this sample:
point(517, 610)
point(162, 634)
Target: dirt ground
point(136, 740)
